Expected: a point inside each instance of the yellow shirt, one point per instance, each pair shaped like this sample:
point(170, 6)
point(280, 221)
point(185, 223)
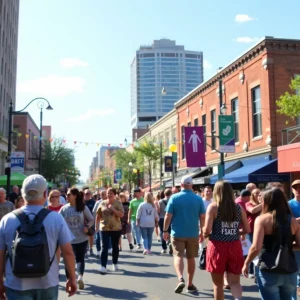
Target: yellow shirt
point(109, 220)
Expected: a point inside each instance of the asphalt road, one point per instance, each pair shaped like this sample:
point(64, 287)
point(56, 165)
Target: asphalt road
point(144, 277)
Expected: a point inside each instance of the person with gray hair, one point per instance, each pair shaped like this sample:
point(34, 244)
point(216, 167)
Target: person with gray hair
point(34, 192)
point(5, 206)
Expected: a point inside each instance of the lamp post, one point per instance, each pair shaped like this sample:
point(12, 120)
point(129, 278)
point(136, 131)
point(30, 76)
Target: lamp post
point(173, 149)
point(221, 168)
point(137, 172)
point(11, 112)
point(129, 175)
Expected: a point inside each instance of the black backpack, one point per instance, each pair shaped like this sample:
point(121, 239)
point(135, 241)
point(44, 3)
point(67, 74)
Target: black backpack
point(30, 256)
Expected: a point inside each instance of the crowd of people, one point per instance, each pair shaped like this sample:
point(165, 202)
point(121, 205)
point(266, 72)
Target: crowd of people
point(212, 221)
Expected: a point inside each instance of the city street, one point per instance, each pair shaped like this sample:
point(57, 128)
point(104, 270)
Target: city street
point(144, 277)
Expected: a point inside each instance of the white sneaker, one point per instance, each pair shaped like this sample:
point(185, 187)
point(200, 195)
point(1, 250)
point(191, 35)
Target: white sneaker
point(163, 251)
point(80, 283)
point(115, 268)
point(145, 252)
point(110, 251)
point(102, 270)
point(138, 246)
point(251, 276)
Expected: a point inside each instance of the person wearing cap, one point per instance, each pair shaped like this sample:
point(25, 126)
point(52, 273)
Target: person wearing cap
point(183, 212)
point(133, 207)
point(34, 192)
point(294, 205)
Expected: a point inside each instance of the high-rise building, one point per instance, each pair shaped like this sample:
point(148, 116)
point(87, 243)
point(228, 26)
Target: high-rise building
point(9, 20)
point(163, 64)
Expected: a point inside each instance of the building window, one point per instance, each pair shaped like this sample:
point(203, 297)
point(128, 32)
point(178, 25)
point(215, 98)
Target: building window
point(182, 143)
point(196, 122)
point(256, 110)
point(189, 124)
point(213, 128)
point(204, 129)
point(235, 113)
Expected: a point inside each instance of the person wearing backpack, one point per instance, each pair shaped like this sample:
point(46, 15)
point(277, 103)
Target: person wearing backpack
point(79, 220)
point(162, 204)
point(34, 274)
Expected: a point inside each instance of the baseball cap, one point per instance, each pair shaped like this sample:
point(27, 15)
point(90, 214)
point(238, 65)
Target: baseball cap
point(137, 190)
point(245, 193)
point(34, 183)
point(187, 180)
point(295, 182)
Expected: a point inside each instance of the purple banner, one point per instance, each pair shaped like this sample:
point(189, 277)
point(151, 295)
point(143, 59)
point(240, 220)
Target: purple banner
point(194, 146)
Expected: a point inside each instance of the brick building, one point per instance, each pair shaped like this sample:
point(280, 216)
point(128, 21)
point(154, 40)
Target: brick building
point(251, 84)
point(26, 138)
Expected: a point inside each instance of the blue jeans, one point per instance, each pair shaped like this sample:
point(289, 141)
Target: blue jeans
point(136, 232)
point(107, 237)
point(161, 227)
point(98, 241)
point(39, 294)
point(297, 255)
point(147, 233)
point(276, 286)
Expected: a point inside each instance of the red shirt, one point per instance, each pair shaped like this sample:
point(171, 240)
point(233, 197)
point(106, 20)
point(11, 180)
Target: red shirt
point(57, 209)
point(251, 217)
point(240, 202)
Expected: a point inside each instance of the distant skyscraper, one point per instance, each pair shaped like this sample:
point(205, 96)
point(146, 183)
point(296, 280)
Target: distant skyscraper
point(9, 20)
point(164, 64)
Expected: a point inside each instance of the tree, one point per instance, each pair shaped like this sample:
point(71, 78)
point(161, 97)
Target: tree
point(289, 104)
point(123, 158)
point(58, 161)
point(149, 154)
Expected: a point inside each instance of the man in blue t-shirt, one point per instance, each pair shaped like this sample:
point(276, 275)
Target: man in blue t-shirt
point(184, 211)
point(295, 208)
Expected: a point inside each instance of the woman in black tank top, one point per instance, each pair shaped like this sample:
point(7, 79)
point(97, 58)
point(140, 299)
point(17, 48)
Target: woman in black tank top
point(225, 221)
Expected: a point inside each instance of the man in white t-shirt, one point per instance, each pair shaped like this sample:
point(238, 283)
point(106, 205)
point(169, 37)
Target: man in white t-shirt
point(207, 196)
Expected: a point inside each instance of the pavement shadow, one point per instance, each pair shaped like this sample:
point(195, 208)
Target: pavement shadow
point(147, 274)
point(131, 256)
point(143, 264)
point(109, 293)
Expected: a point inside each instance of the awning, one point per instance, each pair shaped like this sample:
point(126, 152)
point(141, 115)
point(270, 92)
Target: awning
point(256, 171)
point(15, 179)
point(289, 158)
point(154, 186)
point(191, 172)
point(230, 166)
point(203, 176)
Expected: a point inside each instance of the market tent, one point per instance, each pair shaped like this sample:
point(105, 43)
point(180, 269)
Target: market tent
point(15, 179)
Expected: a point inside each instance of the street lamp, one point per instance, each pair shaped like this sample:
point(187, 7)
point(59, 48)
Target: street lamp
point(173, 149)
point(223, 108)
point(129, 175)
point(11, 112)
point(137, 172)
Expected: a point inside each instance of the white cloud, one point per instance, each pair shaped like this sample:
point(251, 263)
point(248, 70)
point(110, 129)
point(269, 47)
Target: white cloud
point(242, 18)
point(70, 62)
point(90, 114)
point(53, 85)
point(206, 64)
point(246, 39)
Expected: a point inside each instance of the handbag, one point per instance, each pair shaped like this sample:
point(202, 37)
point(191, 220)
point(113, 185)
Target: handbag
point(91, 230)
point(202, 259)
point(282, 258)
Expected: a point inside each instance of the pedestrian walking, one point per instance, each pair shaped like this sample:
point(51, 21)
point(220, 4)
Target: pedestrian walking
point(53, 201)
point(79, 219)
point(109, 216)
point(184, 211)
point(57, 233)
point(133, 207)
point(126, 226)
point(147, 219)
point(162, 204)
point(223, 221)
point(19, 202)
point(5, 206)
point(275, 231)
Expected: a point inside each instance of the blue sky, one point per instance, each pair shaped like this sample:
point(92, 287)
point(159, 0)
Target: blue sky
point(77, 54)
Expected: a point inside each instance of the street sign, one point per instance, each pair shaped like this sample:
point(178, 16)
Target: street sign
point(17, 161)
point(226, 134)
point(118, 174)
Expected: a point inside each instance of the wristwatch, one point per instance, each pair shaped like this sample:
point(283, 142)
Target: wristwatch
point(165, 231)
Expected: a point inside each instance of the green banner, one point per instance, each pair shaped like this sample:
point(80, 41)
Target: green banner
point(226, 134)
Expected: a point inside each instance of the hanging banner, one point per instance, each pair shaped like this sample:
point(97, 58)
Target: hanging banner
point(168, 164)
point(17, 161)
point(226, 134)
point(118, 174)
point(194, 147)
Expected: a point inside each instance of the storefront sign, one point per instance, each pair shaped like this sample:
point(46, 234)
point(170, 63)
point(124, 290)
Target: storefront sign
point(17, 161)
point(269, 178)
point(226, 134)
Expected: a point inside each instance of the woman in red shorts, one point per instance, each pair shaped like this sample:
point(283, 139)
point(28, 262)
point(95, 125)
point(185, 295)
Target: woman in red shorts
point(225, 221)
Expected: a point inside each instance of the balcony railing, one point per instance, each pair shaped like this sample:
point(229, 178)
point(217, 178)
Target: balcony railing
point(290, 135)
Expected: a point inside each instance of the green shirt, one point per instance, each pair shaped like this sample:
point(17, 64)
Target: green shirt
point(133, 206)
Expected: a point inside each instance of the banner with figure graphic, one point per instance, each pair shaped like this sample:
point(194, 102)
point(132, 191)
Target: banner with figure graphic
point(226, 134)
point(194, 146)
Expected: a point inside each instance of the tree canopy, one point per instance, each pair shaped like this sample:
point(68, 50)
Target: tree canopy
point(289, 103)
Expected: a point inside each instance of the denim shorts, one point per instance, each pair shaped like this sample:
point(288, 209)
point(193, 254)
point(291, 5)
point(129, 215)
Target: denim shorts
point(38, 294)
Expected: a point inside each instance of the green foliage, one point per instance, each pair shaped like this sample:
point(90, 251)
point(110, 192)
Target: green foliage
point(58, 161)
point(289, 104)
